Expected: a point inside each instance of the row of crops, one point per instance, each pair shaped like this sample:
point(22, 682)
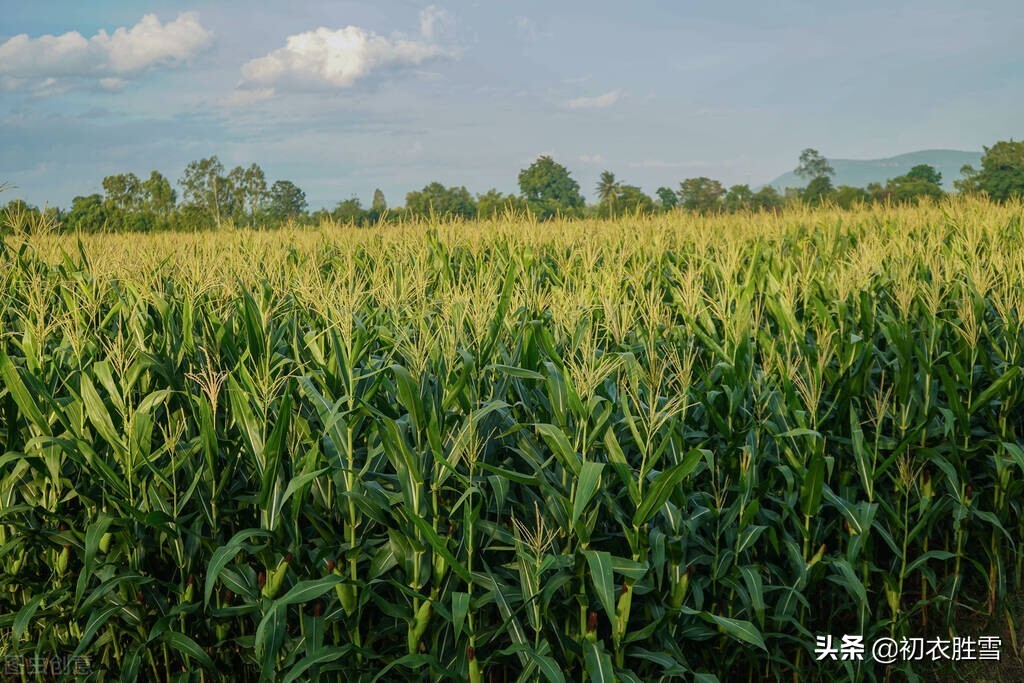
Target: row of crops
point(664, 448)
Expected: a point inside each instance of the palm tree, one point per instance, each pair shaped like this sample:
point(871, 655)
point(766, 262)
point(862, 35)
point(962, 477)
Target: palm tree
point(607, 189)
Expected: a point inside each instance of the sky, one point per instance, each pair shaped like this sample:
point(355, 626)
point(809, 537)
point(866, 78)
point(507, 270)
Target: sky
point(345, 97)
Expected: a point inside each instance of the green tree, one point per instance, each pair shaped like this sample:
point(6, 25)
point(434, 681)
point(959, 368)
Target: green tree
point(91, 214)
point(616, 199)
point(493, 203)
point(766, 199)
point(701, 194)
point(818, 190)
point(607, 191)
point(124, 191)
point(812, 165)
point(921, 181)
point(349, 211)
point(792, 195)
point(158, 195)
point(379, 204)
point(904, 189)
point(926, 173)
point(667, 198)
point(549, 189)
point(436, 199)
point(378, 207)
point(204, 186)
point(249, 189)
point(1002, 171)
point(847, 196)
point(878, 193)
point(968, 181)
point(630, 199)
point(286, 200)
point(190, 218)
point(739, 198)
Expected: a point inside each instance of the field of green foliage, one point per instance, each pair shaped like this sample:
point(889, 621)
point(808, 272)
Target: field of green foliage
point(666, 447)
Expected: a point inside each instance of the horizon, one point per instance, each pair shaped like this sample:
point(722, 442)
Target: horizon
point(343, 99)
point(316, 204)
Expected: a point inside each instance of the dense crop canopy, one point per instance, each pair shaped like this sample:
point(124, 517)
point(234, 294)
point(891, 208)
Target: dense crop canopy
point(646, 449)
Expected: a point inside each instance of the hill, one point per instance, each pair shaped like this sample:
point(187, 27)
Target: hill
point(860, 172)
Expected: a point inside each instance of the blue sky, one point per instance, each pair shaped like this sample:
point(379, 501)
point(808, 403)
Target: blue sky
point(345, 97)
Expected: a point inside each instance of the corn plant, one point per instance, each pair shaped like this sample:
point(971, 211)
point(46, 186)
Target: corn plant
point(662, 447)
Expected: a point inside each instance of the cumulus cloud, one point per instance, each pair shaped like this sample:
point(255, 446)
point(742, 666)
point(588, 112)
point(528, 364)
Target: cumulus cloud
point(592, 159)
point(598, 102)
point(334, 59)
point(106, 58)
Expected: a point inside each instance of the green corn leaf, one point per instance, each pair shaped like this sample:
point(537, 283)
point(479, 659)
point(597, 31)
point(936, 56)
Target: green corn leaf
point(274, 449)
point(439, 546)
point(994, 388)
point(304, 591)
point(324, 655)
point(269, 638)
point(600, 564)
point(223, 555)
point(812, 486)
point(663, 486)
point(848, 579)
point(96, 620)
point(547, 666)
point(599, 664)
point(100, 417)
point(132, 665)
point(187, 646)
point(559, 445)
point(300, 482)
point(460, 608)
point(92, 542)
point(1016, 452)
point(586, 487)
point(24, 616)
point(24, 399)
point(739, 629)
point(617, 459)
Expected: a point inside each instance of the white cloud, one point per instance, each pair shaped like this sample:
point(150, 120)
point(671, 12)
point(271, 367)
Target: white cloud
point(436, 23)
point(592, 159)
point(336, 59)
point(598, 102)
point(108, 58)
point(149, 42)
point(46, 87)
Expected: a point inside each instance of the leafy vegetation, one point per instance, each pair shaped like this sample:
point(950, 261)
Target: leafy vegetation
point(662, 447)
point(549, 189)
point(1002, 172)
point(211, 197)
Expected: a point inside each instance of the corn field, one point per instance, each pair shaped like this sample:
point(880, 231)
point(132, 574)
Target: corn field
point(663, 448)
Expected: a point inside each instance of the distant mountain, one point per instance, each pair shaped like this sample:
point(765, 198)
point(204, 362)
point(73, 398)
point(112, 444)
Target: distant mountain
point(860, 172)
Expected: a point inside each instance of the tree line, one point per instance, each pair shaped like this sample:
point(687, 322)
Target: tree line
point(210, 195)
